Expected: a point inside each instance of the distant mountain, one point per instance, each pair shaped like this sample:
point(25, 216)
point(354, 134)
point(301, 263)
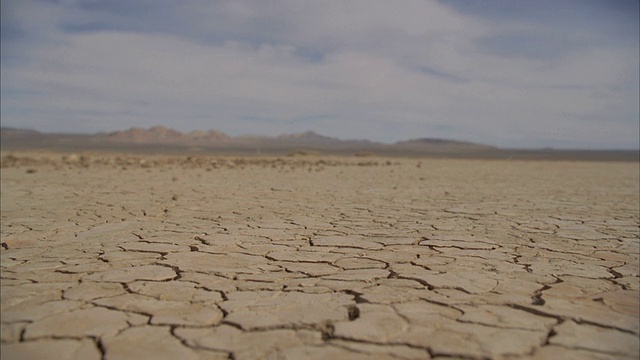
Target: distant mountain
point(441, 144)
point(7, 131)
point(151, 135)
point(164, 135)
point(163, 139)
point(159, 136)
point(211, 135)
point(314, 140)
point(308, 137)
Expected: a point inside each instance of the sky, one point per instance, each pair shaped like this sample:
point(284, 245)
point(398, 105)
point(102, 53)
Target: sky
point(508, 73)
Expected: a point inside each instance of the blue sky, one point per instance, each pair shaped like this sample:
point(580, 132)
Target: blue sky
point(509, 73)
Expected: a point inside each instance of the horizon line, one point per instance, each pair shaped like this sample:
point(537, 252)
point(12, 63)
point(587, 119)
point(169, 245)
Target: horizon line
point(542, 148)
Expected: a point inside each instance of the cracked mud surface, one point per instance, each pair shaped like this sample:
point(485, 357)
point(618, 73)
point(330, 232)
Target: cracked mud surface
point(165, 257)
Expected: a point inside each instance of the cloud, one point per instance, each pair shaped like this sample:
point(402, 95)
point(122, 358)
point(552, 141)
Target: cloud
point(355, 69)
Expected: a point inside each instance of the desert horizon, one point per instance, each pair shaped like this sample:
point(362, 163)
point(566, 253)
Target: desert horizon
point(160, 139)
point(162, 133)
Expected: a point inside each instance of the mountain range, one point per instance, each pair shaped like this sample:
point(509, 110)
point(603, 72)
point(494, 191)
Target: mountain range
point(214, 138)
point(163, 139)
point(160, 135)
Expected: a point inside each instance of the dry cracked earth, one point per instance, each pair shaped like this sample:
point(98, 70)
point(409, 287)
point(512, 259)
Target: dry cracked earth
point(108, 256)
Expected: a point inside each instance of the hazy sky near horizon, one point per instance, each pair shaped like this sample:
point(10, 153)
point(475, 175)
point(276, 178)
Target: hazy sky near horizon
point(511, 73)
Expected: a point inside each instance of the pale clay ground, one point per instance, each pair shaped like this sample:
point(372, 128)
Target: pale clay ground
point(169, 257)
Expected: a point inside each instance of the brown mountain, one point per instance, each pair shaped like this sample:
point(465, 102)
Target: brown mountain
point(11, 132)
point(152, 135)
point(163, 139)
point(161, 135)
point(308, 137)
point(431, 144)
point(211, 135)
point(164, 135)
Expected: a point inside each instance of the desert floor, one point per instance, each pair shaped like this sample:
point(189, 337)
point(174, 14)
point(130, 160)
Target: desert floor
point(173, 257)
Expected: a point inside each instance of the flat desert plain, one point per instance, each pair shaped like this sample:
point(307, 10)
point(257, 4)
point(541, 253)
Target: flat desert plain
point(119, 256)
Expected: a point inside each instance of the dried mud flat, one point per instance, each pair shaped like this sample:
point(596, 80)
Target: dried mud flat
point(119, 257)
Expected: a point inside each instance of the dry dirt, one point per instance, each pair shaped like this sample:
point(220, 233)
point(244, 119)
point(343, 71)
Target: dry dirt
point(176, 257)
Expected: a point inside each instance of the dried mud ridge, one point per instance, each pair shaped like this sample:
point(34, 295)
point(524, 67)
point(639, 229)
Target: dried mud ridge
point(122, 257)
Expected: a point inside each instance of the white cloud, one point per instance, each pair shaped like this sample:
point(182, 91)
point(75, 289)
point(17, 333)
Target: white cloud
point(381, 70)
